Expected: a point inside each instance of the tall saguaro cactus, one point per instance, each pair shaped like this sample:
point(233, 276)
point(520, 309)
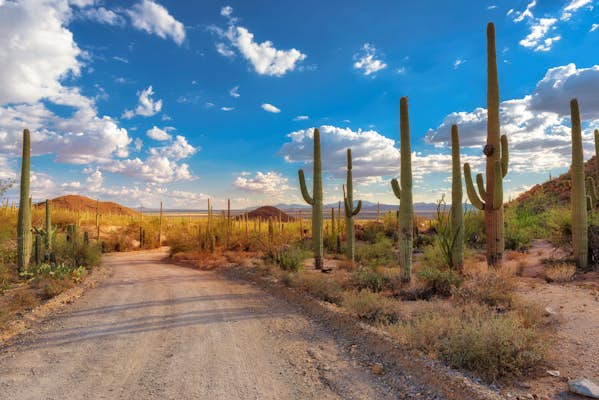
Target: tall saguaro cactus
point(404, 193)
point(24, 235)
point(350, 210)
point(496, 151)
point(457, 212)
point(593, 189)
point(580, 241)
point(48, 235)
point(315, 201)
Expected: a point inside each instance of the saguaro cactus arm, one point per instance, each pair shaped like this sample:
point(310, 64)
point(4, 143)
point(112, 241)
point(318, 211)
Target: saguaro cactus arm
point(396, 188)
point(592, 190)
point(481, 186)
point(505, 156)
point(470, 190)
point(304, 188)
point(358, 208)
point(498, 189)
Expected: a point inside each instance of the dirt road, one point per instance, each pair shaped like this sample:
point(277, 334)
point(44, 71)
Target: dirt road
point(154, 330)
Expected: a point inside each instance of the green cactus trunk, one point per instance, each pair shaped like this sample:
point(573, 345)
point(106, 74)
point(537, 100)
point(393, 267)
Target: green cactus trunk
point(494, 216)
point(24, 235)
point(350, 210)
point(315, 202)
point(496, 151)
point(404, 193)
point(580, 242)
point(48, 236)
point(457, 211)
point(593, 189)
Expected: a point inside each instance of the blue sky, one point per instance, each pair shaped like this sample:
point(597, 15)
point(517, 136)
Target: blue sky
point(142, 101)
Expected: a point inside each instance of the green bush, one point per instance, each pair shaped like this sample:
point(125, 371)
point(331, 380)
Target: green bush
point(369, 278)
point(439, 282)
point(370, 306)
point(496, 346)
point(559, 224)
point(378, 253)
point(292, 259)
point(76, 253)
point(474, 228)
point(372, 231)
point(320, 287)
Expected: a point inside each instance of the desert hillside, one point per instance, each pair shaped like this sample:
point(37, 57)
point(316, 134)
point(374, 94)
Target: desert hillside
point(82, 203)
point(557, 190)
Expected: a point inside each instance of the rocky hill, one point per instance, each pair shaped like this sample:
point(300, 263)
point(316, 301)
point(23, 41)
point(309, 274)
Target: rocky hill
point(85, 204)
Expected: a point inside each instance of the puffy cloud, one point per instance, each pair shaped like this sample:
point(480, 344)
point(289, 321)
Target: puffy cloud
point(301, 118)
point(270, 108)
point(560, 84)
point(103, 16)
point(227, 108)
point(82, 138)
point(94, 181)
point(264, 57)
point(153, 18)
point(177, 150)
point(234, 92)
point(366, 60)
point(224, 50)
point(271, 183)
point(539, 39)
point(158, 134)
point(161, 166)
point(35, 56)
point(146, 106)
point(535, 124)
point(574, 6)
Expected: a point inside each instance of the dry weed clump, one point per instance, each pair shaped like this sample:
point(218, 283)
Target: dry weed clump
point(560, 272)
point(371, 306)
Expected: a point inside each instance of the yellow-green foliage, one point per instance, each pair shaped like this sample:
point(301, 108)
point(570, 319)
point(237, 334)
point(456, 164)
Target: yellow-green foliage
point(495, 346)
point(370, 306)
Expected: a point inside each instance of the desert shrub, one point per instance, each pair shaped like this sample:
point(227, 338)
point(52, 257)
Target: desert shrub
point(494, 289)
point(76, 253)
point(432, 256)
point(23, 299)
point(292, 259)
point(560, 272)
point(182, 239)
point(369, 278)
point(494, 346)
point(378, 253)
point(370, 306)
point(439, 282)
point(320, 286)
point(50, 287)
point(559, 225)
point(523, 223)
point(372, 230)
point(474, 228)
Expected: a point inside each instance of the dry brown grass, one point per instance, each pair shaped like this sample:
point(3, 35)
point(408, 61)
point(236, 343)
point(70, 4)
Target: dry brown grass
point(560, 273)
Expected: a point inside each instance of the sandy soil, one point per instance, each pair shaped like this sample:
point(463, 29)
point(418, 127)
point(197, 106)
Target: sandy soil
point(153, 330)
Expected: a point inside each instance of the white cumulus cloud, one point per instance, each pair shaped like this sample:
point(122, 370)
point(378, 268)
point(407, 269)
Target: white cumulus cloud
point(153, 18)
point(367, 60)
point(270, 108)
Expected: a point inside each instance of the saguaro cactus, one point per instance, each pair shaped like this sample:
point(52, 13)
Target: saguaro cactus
point(24, 235)
point(350, 211)
point(315, 202)
point(457, 211)
point(48, 235)
point(593, 189)
point(496, 151)
point(404, 193)
point(580, 241)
